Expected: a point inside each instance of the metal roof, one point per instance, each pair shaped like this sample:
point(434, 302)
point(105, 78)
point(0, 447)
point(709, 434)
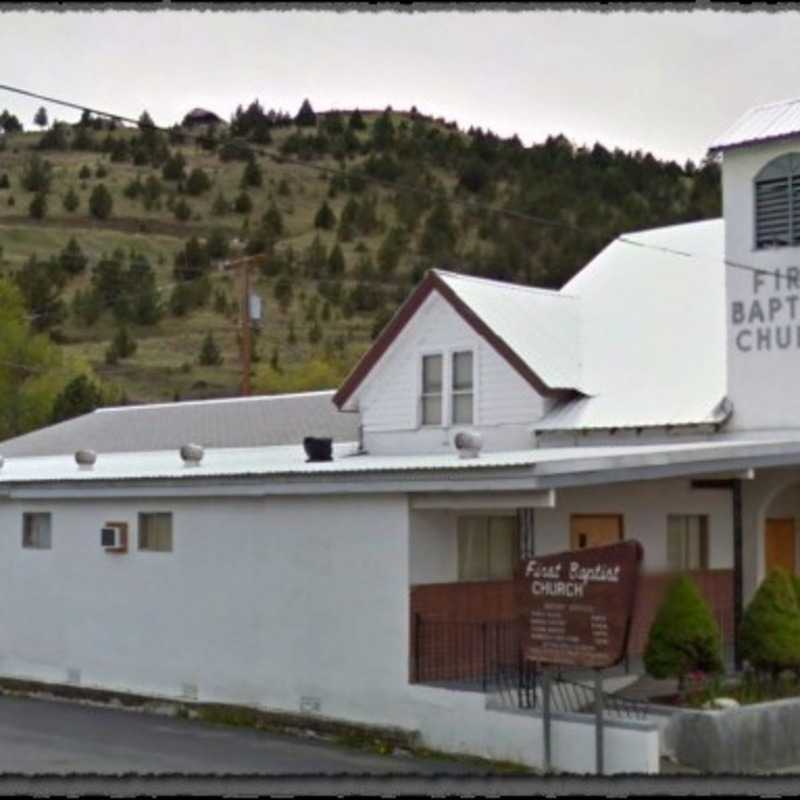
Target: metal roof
point(764, 123)
point(653, 331)
point(539, 464)
point(541, 326)
point(233, 422)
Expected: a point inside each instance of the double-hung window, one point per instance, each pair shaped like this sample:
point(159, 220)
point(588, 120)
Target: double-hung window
point(453, 406)
point(462, 397)
point(432, 368)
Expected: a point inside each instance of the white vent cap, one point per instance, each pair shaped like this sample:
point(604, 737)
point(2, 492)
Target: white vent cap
point(468, 444)
point(85, 458)
point(192, 454)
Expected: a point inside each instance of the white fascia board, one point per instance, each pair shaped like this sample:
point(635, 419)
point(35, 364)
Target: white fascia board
point(484, 500)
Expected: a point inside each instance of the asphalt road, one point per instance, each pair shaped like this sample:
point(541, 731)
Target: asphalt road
point(61, 738)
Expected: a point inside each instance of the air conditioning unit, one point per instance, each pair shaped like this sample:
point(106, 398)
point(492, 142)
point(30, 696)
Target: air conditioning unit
point(114, 537)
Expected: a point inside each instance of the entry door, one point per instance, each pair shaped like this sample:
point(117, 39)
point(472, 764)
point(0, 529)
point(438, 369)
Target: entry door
point(594, 530)
point(779, 543)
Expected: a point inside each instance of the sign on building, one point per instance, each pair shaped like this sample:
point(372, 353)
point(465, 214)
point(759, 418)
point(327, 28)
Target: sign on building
point(578, 605)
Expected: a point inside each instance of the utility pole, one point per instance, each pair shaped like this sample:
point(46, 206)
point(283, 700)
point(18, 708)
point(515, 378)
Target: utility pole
point(245, 323)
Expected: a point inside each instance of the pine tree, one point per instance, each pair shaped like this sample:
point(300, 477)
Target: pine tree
point(101, 202)
point(305, 116)
point(243, 204)
point(198, 182)
point(347, 220)
point(356, 122)
point(38, 206)
point(72, 259)
point(252, 175)
point(210, 355)
point(182, 210)
point(325, 218)
point(80, 396)
point(221, 206)
point(71, 200)
point(683, 637)
point(40, 118)
point(336, 262)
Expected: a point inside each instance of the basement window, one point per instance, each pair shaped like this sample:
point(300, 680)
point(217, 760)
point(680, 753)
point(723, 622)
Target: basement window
point(777, 203)
point(687, 542)
point(37, 530)
point(155, 531)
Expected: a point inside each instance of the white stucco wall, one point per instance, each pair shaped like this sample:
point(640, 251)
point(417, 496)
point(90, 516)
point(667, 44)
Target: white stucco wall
point(644, 507)
point(505, 404)
point(763, 380)
point(260, 602)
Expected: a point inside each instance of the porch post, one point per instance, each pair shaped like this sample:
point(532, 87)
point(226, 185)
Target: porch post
point(738, 562)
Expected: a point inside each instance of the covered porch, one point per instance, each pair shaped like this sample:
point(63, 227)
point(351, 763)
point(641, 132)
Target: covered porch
point(725, 530)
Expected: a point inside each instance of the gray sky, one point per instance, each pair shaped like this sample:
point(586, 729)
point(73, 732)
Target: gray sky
point(662, 81)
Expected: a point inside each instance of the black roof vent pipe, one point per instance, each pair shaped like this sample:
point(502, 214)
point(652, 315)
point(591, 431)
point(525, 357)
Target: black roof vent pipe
point(318, 449)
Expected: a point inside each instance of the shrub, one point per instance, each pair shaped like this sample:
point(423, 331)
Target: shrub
point(197, 182)
point(210, 355)
point(182, 210)
point(770, 630)
point(71, 200)
point(85, 173)
point(100, 202)
point(243, 204)
point(38, 207)
point(683, 637)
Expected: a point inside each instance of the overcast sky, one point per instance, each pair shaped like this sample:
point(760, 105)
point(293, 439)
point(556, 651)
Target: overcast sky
point(667, 82)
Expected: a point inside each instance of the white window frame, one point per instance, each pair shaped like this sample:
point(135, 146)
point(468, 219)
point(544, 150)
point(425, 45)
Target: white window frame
point(452, 392)
point(36, 546)
point(139, 532)
point(703, 550)
point(447, 354)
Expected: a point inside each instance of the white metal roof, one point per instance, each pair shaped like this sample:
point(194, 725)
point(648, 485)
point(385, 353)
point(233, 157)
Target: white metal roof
point(542, 327)
point(764, 123)
point(279, 461)
point(653, 331)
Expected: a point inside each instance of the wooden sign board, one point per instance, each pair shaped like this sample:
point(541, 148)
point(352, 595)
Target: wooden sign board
point(577, 606)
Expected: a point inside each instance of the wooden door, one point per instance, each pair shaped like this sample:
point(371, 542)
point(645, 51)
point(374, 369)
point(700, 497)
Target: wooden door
point(779, 545)
point(594, 530)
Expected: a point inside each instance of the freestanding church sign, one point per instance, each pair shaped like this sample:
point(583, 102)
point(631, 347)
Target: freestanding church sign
point(578, 605)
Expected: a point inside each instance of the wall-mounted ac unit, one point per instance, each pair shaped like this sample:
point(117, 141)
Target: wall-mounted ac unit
point(114, 537)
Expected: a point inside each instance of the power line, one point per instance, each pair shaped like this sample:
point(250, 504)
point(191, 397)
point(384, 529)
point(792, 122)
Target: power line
point(470, 205)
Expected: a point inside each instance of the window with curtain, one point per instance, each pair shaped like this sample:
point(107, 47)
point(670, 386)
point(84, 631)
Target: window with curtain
point(486, 547)
point(687, 541)
point(155, 531)
point(432, 390)
point(462, 388)
point(36, 530)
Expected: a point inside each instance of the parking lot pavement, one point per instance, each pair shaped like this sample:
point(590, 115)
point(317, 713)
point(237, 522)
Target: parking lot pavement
point(52, 737)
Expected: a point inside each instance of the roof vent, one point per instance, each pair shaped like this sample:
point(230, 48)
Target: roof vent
point(468, 444)
point(85, 458)
point(318, 449)
point(192, 454)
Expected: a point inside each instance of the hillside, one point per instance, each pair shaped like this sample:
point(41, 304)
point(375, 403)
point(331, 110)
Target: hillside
point(340, 250)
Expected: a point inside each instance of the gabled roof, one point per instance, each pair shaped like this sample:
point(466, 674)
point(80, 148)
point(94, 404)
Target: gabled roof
point(232, 422)
point(764, 123)
point(535, 330)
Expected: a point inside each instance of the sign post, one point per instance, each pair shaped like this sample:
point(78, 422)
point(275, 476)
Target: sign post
point(577, 608)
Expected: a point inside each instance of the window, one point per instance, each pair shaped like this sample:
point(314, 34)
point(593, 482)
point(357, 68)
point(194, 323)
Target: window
point(462, 389)
point(777, 203)
point(687, 542)
point(432, 390)
point(486, 547)
point(155, 532)
point(36, 531)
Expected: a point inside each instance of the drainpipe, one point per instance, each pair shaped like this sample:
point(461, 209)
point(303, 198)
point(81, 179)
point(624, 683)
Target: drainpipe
point(734, 485)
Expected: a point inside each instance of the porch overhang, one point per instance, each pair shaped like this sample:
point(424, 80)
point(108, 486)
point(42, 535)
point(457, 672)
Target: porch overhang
point(477, 501)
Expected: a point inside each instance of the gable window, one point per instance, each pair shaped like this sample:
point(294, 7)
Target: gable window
point(155, 531)
point(36, 531)
point(462, 399)
point(486, 547)
point(432, 389)
point(777, 203)
point(687, 541)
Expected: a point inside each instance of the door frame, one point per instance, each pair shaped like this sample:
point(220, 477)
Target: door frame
point(619, 517)
point(794, 538)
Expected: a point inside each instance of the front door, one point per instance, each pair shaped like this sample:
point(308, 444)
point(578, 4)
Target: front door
point(779, 545)
point(594, 530)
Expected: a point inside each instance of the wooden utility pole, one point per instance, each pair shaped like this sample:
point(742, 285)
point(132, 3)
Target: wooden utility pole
point(245, 323)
